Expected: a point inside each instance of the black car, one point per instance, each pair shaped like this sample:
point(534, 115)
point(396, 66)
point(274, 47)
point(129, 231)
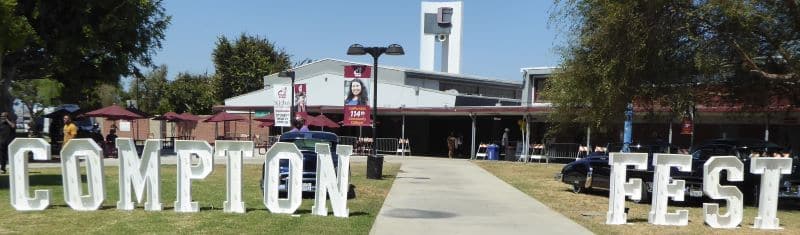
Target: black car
point(593, 171)
point(306, 141)
point(745, 150)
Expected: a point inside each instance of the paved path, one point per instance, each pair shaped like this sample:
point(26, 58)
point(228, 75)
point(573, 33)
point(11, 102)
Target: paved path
point(444, 196)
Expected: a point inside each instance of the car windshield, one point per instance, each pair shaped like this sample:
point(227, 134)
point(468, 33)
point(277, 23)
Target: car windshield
point(308, 144)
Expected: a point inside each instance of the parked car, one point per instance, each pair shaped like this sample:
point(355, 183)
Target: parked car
point(593, 171)
point(745, 150)
point(306, 141)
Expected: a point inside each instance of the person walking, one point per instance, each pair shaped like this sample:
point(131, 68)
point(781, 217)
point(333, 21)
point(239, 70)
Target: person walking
point(451, 145)
point(7, 130)
point(70, 130)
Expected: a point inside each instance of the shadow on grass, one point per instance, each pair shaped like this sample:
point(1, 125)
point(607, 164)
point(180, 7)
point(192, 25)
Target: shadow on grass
point(35, 180)
point(783, 204)
point(593, 192)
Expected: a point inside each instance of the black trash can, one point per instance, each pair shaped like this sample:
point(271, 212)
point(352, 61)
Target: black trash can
point(375, 167)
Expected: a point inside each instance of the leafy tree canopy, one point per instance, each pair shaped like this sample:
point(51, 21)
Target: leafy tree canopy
point(672, 54)
point(189, 93)
point(85, 44)
point(242, 64)
point(150, 89)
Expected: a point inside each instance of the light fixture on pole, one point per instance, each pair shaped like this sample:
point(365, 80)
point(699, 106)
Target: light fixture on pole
point(374, 162)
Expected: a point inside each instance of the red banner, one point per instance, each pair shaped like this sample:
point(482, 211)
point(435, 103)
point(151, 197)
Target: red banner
point(357, 71)
point(300, 97)
point(357, 115)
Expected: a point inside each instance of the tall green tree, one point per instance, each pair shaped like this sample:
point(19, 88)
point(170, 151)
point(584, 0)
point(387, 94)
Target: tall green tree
point(190, 93)
point(15, 32)
point(85, 44)
point(671, 54)
point(242, 64)
point(150, 89)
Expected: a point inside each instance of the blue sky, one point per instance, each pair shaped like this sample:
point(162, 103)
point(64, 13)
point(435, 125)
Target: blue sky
point(499, 38)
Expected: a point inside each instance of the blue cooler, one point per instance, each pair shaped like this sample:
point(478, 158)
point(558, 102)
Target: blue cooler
point(493, 152)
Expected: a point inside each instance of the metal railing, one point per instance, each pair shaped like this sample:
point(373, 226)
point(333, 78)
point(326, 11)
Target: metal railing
point(387, 145)
point(557, 151)
point(348, 140)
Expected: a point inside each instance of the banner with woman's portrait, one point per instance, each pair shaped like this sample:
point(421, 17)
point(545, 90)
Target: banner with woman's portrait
point(357, 97)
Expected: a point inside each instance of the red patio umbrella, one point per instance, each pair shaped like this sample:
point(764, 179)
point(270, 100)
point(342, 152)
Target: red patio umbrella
point(114, 112)
point(224, 117)
point(324, 121)
point(169, 116)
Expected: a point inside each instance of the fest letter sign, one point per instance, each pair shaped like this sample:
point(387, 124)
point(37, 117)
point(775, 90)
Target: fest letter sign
point(662, 189)
point(731, 194)
point(283, 105)
point(618, 189)
point(770, 170)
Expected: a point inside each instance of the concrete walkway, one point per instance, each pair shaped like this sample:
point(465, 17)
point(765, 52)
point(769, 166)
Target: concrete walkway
point(444, 196)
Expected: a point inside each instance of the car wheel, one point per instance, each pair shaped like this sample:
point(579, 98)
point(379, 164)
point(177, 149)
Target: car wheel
point(578, 183)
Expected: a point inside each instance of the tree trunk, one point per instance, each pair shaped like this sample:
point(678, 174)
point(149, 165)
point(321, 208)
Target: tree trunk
point(5, 84)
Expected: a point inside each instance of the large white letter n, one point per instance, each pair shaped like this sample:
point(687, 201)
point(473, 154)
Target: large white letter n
point(618, 189)
point(139, 174)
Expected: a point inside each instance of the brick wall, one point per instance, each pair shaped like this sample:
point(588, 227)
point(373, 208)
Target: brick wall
point(151, 129)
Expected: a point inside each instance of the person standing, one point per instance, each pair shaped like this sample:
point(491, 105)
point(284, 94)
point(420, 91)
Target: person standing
point(451, 145)
point(70, 130)
point(504, 142)
point(7, 129)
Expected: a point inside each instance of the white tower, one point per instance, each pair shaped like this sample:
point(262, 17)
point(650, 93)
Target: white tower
point(441, 22)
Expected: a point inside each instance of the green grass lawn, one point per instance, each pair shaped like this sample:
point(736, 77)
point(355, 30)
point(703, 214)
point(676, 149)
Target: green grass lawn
point(590, 209)
point(210, 193)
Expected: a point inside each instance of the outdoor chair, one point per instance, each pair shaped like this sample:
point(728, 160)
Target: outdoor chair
point(537, 152)
point(403, 146)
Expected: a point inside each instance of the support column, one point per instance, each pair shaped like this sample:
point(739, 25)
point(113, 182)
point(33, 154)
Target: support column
point(766, 130)
point(669, 147)
point(589, 138)
point(250, 124)
point(403, 136)
point(472, 146)
point(526, 149)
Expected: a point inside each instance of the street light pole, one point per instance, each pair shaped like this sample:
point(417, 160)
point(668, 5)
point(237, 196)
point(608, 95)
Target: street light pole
point(374, 162)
